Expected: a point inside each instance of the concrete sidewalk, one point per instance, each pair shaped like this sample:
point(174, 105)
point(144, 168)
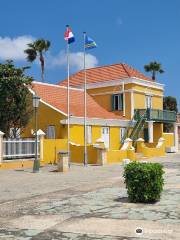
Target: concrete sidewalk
point(86, 203)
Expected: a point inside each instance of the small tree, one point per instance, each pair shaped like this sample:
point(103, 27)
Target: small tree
point(15, 99)
point(37, 49)
point(144, 181)
point(169, 103)
point(154, 68)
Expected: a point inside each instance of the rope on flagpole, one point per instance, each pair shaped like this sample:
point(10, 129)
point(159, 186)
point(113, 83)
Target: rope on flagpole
point(85, 107)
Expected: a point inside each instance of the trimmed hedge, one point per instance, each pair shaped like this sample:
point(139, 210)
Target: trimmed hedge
point(144, 181)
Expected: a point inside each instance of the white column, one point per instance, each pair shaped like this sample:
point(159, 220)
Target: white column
point(1, 146)
point(176, 136)
point(41, 136)
point(132, 104)
point(150, 131)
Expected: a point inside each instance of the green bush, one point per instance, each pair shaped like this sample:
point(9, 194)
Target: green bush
point(144, 181)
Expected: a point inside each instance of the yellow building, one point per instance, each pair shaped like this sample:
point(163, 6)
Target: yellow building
point(121, 103)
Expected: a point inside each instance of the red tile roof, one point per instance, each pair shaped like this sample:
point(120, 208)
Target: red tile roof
point(56, 96)
point(104, 74)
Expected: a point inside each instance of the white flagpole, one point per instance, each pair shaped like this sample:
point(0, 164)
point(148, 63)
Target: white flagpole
point(85, 107)
point(68, 106)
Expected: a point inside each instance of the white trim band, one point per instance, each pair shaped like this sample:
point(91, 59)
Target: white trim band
point(126, 91)
point(99, 122)
point(134, 80)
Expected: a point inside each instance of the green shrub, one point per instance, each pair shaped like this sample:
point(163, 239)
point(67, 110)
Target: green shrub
point(144, 181)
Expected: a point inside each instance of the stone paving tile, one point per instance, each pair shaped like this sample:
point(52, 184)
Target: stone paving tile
point(105, 199)
point(26, 234)
point(67, 236)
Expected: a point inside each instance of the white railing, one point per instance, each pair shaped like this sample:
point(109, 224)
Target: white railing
point(19, 148)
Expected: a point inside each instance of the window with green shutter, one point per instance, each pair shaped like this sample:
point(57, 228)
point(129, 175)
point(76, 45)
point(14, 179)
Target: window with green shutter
point(117, 102)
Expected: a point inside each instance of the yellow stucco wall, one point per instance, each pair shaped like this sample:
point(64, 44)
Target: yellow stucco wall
point(140, 101)
point(116, 156)
point(51, 148)
point(128, 105)
point(104, 101)
point(77, 154)
point(139, 97)
point(105, 89)
point(77, 135)
point(114, 138)
point(157, 131)
point(169, 139)
point(150, 151)
point(46, 116)
point(157, 102)
point(15, 164)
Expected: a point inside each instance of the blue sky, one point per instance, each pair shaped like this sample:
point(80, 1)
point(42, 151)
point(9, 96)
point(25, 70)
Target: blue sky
point(129, 31)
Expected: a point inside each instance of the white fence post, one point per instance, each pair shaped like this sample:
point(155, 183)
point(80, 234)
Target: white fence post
point(1, 146)
point(41, 135)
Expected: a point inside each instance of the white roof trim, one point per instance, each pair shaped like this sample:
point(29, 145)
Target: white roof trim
point(126, 91)
point(98, 122)
point(134, 80)
point(49, 105)
point(58, 86)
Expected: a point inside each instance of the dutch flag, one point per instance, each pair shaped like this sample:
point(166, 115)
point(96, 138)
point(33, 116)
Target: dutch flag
point(68, 35)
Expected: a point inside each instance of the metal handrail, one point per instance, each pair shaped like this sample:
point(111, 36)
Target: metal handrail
point(158, 115)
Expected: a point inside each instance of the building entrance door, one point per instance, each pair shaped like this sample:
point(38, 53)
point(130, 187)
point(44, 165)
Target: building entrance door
point(105, 136)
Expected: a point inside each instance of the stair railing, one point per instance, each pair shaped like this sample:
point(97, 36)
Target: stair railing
point(140, 117)
point(130, 124)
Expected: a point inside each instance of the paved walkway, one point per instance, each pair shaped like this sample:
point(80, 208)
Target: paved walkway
point(85, 203)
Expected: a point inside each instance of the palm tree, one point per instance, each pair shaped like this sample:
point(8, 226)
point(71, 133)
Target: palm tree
point(154, 67)
point(37, 49)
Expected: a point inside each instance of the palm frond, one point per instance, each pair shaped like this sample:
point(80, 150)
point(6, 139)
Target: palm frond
point(41, 45)
point(161, 71)
point(147, 68)
point(31, 54)
point(153, 66)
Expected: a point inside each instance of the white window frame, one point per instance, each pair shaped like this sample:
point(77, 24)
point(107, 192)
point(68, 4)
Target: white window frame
point(120, 107)
point(51, 135)
point(107, 129)
point(122, 131)
point(89, 134)
point(148, 101)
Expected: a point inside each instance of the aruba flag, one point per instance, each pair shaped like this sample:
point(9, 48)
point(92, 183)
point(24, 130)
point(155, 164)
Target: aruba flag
point(89, 43)
point(68, 35)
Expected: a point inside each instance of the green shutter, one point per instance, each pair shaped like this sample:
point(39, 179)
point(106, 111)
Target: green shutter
point(121, 102)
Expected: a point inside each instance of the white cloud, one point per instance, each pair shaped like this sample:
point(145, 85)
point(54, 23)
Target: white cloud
point(76, 60)
point(13, 48)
